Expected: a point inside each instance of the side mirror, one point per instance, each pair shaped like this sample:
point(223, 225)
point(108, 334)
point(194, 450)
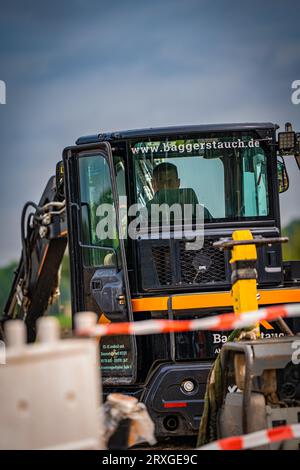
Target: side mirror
point(283, 179)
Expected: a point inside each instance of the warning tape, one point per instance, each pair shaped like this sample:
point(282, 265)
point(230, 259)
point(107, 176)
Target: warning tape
point(255, 439)
point(228, 321)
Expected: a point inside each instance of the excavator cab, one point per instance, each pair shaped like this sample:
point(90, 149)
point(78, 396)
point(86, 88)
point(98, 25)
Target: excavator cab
point(130, 262)
point(141, 211)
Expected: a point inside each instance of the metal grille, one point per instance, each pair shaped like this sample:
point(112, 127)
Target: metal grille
point(192, 267)
point(205, 266)
point(162, 261)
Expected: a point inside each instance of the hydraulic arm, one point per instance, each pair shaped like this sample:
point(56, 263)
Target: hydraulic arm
point(44, 240)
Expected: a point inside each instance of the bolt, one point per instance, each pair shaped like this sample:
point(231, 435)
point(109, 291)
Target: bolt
point(188, 386)
point(43, 231)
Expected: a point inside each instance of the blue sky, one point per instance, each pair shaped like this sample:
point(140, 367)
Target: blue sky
point(78, 67)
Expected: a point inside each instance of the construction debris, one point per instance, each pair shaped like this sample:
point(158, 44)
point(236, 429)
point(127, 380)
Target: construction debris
point(128, 410)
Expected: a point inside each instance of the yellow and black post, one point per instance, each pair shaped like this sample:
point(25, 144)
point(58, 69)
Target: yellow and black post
point(244, 274)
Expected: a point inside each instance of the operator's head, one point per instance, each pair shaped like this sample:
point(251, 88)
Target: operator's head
point(165, 176)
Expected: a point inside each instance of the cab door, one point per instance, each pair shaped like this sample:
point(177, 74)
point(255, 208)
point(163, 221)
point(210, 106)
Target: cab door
point(94, 182)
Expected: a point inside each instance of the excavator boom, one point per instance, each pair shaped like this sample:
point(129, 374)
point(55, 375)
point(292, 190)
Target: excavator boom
point(44, 240)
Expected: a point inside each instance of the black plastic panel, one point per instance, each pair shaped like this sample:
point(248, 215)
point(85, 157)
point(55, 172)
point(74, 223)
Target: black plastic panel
point(165, 390)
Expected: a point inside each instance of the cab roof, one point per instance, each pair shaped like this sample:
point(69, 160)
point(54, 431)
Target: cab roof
point(160, 131)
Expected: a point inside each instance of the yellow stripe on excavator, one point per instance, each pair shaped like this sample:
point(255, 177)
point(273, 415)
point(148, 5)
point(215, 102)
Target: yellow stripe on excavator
point(211, 300)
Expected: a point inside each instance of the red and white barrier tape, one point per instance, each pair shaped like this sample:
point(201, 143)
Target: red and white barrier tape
point(228, 321)
point(255, 439)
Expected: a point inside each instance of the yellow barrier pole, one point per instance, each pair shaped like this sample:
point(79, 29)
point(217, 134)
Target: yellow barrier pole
point(244, 275)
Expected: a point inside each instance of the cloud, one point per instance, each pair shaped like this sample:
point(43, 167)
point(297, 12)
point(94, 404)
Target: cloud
point(75, 71)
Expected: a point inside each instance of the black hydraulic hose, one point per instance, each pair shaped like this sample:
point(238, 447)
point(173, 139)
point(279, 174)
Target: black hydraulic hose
point(30, 217)
point(24, 239)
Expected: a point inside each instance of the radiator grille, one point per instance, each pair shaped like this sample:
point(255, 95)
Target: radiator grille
point(179, 267)
point(162, 262)
point(205, 266)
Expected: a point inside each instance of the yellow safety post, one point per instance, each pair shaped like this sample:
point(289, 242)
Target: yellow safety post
point(244, 274)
